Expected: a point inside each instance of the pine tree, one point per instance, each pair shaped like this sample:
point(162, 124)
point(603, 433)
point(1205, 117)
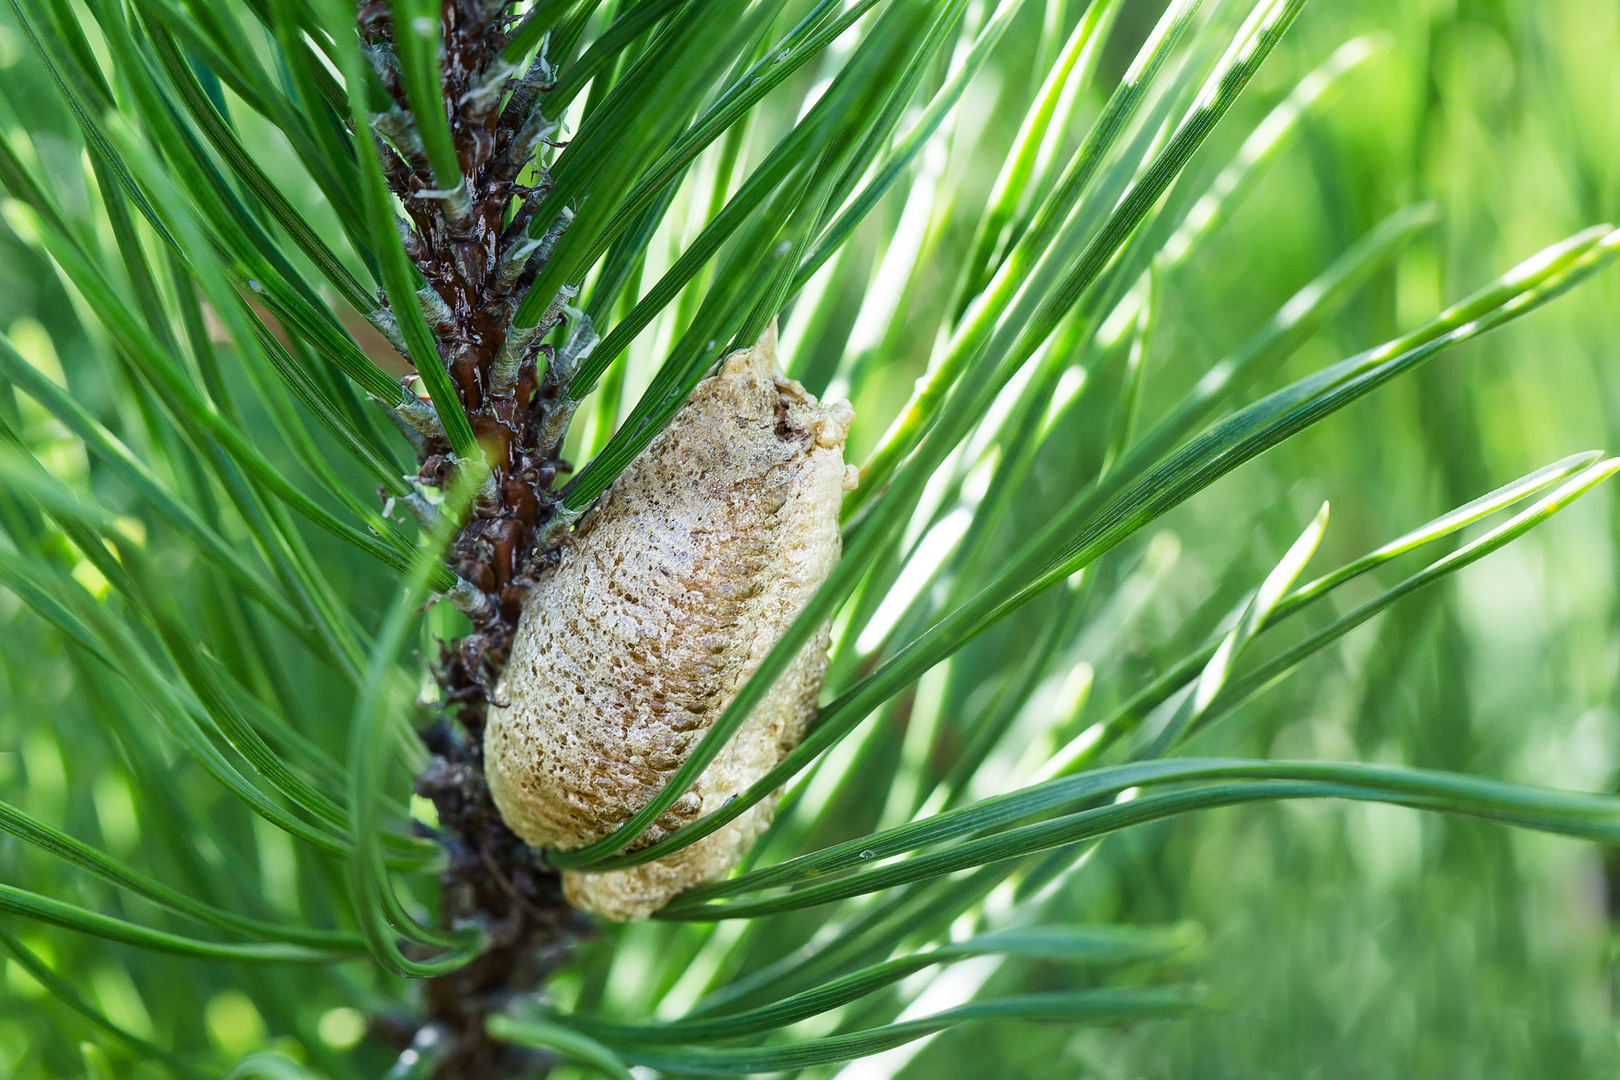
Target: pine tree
point(378, 304)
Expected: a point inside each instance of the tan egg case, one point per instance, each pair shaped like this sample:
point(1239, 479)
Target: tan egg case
point(665, 600)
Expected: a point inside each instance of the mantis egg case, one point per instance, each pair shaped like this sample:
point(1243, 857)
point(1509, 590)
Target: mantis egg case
point(665, 600)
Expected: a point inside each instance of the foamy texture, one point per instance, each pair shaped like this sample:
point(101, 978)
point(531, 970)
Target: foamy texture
point(665, 601)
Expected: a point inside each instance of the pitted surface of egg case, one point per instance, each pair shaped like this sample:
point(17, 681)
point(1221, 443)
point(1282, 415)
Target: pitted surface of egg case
point(665, 600)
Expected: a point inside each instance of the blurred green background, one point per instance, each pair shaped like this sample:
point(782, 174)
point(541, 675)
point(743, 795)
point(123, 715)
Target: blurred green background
point(1370, 941)
point(1342, 940)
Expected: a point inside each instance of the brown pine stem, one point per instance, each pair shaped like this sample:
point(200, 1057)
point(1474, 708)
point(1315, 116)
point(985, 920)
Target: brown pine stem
point(477, 267)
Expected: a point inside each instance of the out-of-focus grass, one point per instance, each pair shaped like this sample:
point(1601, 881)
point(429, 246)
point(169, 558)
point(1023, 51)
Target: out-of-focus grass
point(1358, 941)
